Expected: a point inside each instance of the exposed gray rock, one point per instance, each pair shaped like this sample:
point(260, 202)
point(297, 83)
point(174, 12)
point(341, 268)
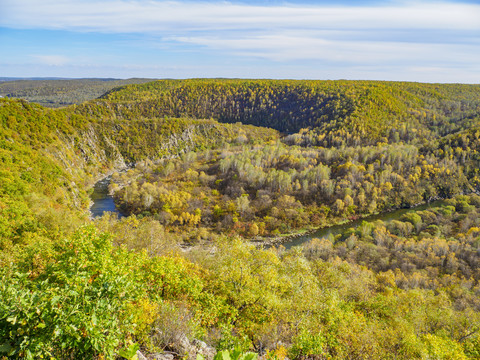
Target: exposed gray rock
point(191, 349)
point(202, 348)
point(162, 356)
point(183, 345)
point(140, 356)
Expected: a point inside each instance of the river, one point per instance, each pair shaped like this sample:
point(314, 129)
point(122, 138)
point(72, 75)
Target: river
point(103, 202)
point(332, 231)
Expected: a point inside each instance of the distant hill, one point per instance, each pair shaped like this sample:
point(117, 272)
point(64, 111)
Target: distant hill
point(32, 78)
point(57, 92)
point(339, 112)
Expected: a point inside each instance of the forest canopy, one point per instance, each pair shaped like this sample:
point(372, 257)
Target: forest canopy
point(209, 172)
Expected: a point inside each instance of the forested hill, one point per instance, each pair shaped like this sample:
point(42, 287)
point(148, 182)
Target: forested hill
point(179, 276)
point(61, 92)
point(356, 111)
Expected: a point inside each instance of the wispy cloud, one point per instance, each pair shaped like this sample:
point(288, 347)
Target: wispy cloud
point(51, 60)
point(159, 16)
point(285, 47)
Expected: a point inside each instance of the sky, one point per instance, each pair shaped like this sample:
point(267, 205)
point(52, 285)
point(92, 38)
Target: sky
point(400, 40)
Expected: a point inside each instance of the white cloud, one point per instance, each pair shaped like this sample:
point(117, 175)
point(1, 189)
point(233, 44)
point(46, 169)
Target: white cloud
point(160, 16)
point(300, 46)
point(52, 60)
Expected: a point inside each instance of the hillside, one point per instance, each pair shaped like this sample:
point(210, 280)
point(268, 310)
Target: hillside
point(338, 111)
point(205, 166)
point(51, 157)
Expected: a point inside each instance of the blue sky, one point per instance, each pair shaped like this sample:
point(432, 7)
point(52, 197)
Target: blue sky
point(427, 41)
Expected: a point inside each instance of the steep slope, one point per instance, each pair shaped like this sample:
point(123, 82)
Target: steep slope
point(49, 158)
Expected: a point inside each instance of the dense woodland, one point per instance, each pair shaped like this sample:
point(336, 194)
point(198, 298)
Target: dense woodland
point(205, 166)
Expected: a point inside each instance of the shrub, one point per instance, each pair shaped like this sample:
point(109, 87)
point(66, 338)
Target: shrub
point(75, 307)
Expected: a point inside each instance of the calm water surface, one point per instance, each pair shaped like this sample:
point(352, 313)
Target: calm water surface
point(102, 201)
point(332, 231)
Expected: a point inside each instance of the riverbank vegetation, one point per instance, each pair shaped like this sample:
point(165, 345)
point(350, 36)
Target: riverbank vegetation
point(275, 188)
point(216, 163)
